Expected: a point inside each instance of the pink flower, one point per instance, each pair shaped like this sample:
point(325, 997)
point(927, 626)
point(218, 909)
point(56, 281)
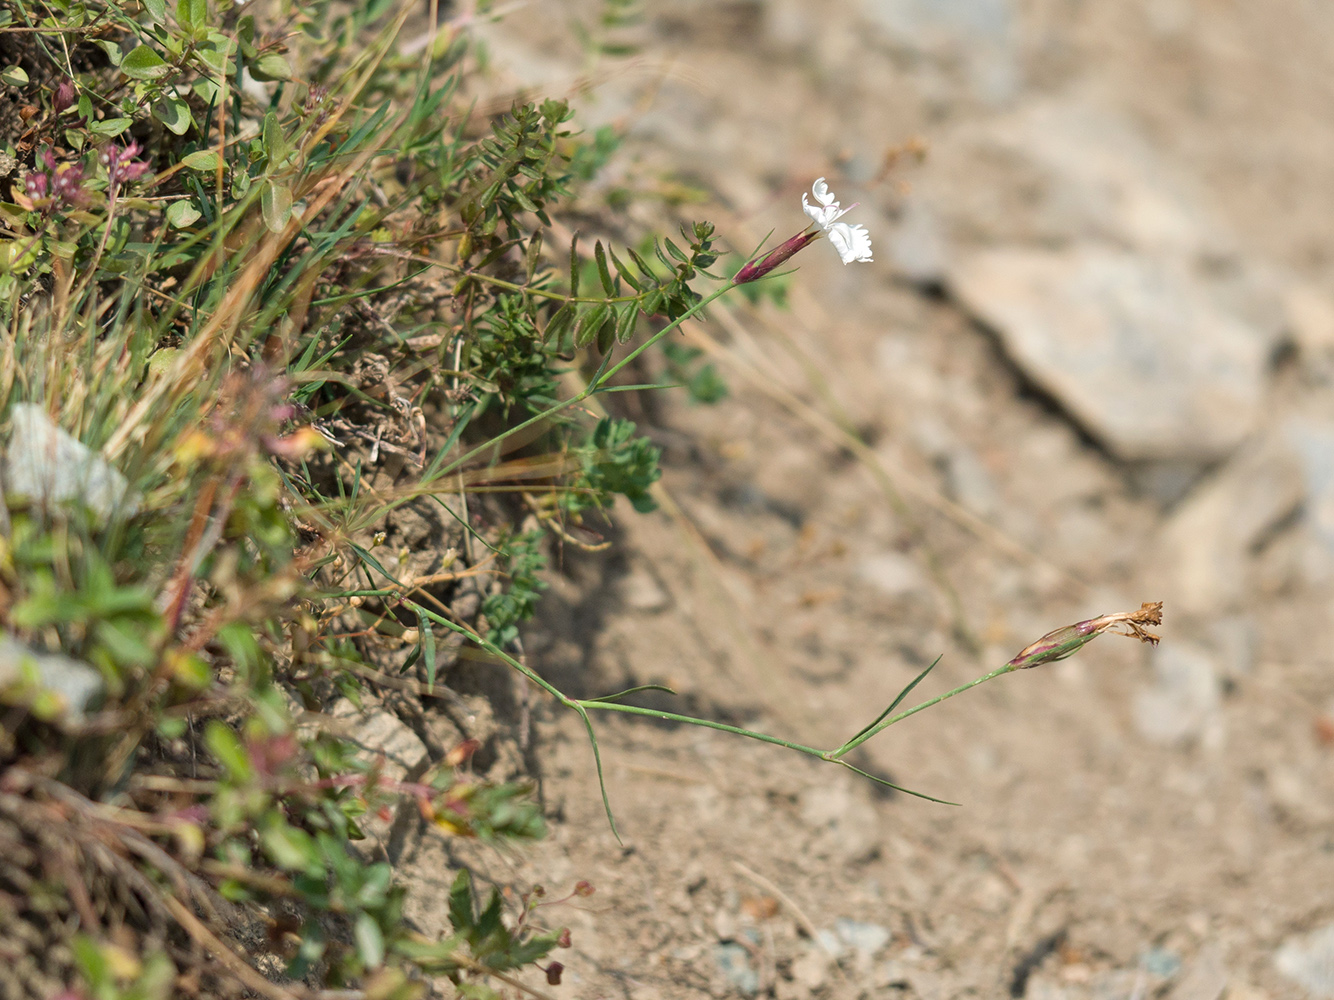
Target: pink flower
point(122, 167)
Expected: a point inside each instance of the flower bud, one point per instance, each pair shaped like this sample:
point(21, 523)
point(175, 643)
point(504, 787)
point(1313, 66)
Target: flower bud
point(64, 96)
point(757, 269)
point(553, 973)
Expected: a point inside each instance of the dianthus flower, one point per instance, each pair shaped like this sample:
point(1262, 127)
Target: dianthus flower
point(853, 243)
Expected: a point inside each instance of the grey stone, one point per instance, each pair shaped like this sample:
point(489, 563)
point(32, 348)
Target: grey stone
point(641, 591)
point(1184, 702)
point(844, 821)
point(864, 938)
point(1064, 171)
point(1235, 641)
point(1135, 350)
point(892, 574)
point(810, 970)
point(46, 466)
point(382, 736)
point(1309, 961)
point(734, 962)
point(1203, 551)
point(77, 685)
point(966, 478)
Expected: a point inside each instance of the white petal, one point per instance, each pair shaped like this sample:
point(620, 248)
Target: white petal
point(822, 193)
point(821, 215)
point(853, 243)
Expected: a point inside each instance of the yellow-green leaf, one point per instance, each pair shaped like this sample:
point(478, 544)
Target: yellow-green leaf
point(201, 159)
point(275, 203)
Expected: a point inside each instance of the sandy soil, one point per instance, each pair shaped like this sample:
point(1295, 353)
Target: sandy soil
point(1120, 833)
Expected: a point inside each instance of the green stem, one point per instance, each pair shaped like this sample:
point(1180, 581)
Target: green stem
point(595, 385)
point(698, 307)
point(654, 713)
point(886, 723)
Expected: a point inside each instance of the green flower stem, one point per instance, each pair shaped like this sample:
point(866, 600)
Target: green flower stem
point(595, 385)
point(698, 307)
point(886, 723)
point(654, 713)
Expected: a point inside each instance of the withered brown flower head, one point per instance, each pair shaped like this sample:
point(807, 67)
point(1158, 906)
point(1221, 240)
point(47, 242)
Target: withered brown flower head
point(1066, 641)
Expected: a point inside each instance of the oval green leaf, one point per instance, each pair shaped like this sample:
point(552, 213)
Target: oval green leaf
point(110, 126)
point(182, 213)
point(202, 160)
point(271, 66)
point(275, 203)
point(174, 113)
point(143, 63)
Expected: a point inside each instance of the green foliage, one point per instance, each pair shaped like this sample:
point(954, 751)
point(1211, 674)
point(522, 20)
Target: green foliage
point(701, 381)
point(614, 461)
point(481, 941)
point(283, 320)
point(522, 558)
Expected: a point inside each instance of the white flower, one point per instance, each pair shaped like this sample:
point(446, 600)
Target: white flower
point(853, 243)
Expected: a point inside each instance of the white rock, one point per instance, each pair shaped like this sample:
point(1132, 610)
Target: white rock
point(1136, 350)
point(1066, 171)
point(77, 685)
point(641, 591)
point(382, 735)
point(1309, 961)
point(811, 968)
point(1202, 552)
point(1206, 979)
point(864, 938)
point(46, 466)
point(842, 817)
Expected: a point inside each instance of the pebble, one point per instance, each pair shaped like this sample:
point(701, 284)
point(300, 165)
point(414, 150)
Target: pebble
point(1309, 961)
point(642, 592)
point(810, 970)
point(734, 962)
point(916, 245)
point(1184, 702)
point(1313, 443)
point(892, 574)
point(864, 938)
point(1206, 979)
point(844, 822)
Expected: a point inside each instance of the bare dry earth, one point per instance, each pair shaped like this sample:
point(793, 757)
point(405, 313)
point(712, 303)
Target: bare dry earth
point(1132, 823)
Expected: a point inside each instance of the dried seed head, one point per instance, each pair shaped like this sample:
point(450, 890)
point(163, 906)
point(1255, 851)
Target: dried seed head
point(1069, 639)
